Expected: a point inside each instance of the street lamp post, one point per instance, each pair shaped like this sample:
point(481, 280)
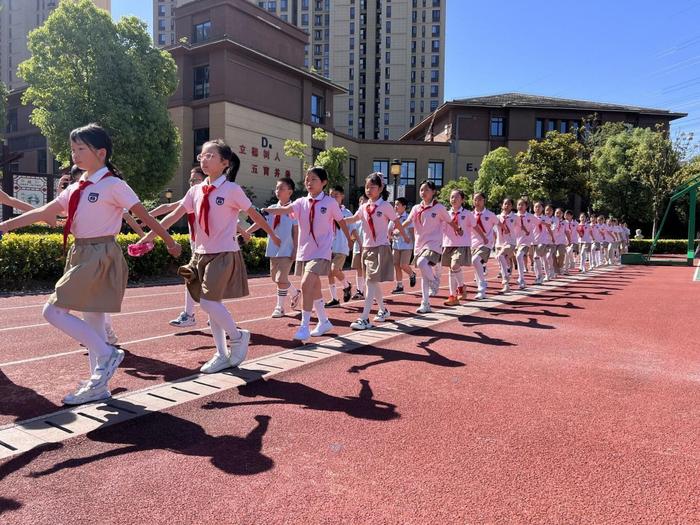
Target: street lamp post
point(169, 195)
point(396, 173)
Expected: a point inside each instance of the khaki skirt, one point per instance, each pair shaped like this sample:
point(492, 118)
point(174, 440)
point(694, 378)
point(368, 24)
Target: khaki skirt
point(402, 256)
point(432, 257)
point(456, 257)
point(280, 268)
point(318, 266)
point(94, 278)
point(216, 276)
point(378, 264)
point(483, 253)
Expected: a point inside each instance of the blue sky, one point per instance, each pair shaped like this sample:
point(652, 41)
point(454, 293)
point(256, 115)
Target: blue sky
point(638, 52)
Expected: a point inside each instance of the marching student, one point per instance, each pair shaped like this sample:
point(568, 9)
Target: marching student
point(597, 236)
point(457, 250)
point(506, 242)
point(216, 270)
point(551, 244)
point(542, 237)
point(560, 231)
point(339, 252)
point(485, 222)
point(585, 243)
point(572, 241)
point(605, 240)
point(377, 259)
point(96, 273)
point(282, 256)
point(428, 217)
point(625, 234)
point(616, 232)
point(317, 214)
point(525, 226)
point(401, 250)
point(355, 230)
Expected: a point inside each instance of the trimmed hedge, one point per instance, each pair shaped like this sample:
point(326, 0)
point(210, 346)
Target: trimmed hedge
point(669, 246)
point(27, 260)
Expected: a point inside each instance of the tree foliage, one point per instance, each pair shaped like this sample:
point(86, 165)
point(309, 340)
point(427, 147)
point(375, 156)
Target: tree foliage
point(554, 168)
point(499, 178)
point(85, 68)
point(331, 159)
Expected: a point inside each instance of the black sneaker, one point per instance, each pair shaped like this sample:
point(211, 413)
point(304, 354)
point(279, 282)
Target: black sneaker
point(358, 295)
point(397, 289)
point(332, 303)
point(347, 293)
point(412, 280)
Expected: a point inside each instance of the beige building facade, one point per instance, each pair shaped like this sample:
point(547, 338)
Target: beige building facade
point(388, 54)
point(17, 19)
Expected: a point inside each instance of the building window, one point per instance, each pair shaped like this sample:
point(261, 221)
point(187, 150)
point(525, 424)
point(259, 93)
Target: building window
point(387, 57)
point(551, 125)
point(436, 31)
point(435, 171)
point(388, 42)
point(498, 126)
point(563, 126)
point(201, 82)
point(435, 46)
point(435, 60)
point(434, 91)
point(161, 10)
point(283, 5)
point(388, 26)
point(352, 169)
point(436, 3)
point(305, 19)
point(386, 133)
point(433, 105)
point(161, 39)
point(388, 11)
point(200, 32)
point(436, 15)
point(161, 24)
point(412, 121)
point(41, 161)
point(382, 166)
point(386, 119)
point(201, 136)
point(387, 101)
point(317, 109)
point(408, 173)
point(413, 106)
point(539, 128)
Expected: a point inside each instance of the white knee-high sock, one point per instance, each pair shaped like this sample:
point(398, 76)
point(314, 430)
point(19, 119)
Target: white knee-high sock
point(222, 323)
point(189, 302)
point(427, 276)
point(503, 264)
point(453, 282)
point(478, 265)
point(93, 339)
point(520, 257)
point(320, 311)
point(98, 322)
point(360, 283)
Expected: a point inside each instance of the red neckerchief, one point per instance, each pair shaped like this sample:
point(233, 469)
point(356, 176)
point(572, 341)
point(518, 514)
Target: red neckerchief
point(73, 206)
point(204, 206)
point(371, 210)
point(190, 221)
point(504, 227)
point(478, 221)
point(455, 217)
point(522, 224)
point(312, 215)
point(276, 221)
point(423, 208)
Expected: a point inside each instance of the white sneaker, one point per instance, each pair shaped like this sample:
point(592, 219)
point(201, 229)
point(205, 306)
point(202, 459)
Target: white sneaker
point(277, 313)
point(506, 288)
point(321, 328)
point(302, 334)
point(361, 324)
point(183, 320)
point(86, 393)
point(215, 364)
point(105, 368)
point(424, 309)
point(112, 338)
point(239, 348)
point(382, 315)
point(480, 296)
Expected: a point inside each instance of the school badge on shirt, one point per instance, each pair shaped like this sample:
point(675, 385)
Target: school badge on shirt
point(92, 197)
point(324, 209)
point(219, 201)
point(433, 214)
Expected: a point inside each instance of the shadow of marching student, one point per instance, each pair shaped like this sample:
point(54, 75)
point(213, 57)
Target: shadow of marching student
point(22, 402)
point(363, 406)
point(151, 369)
point(240, 456)
point(428, 356)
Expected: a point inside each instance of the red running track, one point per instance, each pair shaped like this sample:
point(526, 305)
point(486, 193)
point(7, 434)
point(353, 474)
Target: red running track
point(575, 405)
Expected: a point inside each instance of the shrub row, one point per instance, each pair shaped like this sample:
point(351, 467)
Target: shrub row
point(30, 259)
point(670, 246)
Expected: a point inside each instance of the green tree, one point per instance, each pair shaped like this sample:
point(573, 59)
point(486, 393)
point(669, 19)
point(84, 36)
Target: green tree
point(463, 183)
point(615, 186)
point(498, 177)
point(554, 168)
point(331, 159)
point(85, 68)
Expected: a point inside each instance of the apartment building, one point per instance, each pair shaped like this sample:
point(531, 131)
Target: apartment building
point(17, 19)
point(388, 54)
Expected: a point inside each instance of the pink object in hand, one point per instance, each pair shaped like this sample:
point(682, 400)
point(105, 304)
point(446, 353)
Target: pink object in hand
point(137, 250)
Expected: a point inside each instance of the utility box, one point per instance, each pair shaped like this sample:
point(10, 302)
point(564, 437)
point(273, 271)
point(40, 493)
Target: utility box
point(633, 258)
